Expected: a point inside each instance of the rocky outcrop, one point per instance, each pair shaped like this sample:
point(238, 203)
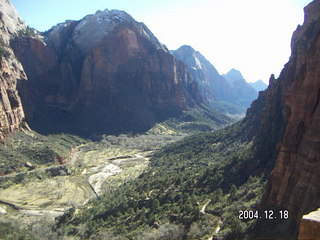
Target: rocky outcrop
point(285, 122)
point(101, 74)
point(11, 111)
point(310, 226)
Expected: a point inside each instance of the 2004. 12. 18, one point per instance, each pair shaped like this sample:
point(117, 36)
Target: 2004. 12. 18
point(266, 214)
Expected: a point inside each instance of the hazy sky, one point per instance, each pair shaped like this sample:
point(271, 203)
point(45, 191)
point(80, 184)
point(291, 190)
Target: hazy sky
point(252, 36)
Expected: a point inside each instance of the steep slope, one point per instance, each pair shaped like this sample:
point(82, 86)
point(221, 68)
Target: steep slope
point(242, 91)
point(101, 74)
point(259, 85)
point(11, 111)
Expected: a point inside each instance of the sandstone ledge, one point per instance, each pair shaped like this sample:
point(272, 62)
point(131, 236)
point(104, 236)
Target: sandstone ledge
point(310, 226)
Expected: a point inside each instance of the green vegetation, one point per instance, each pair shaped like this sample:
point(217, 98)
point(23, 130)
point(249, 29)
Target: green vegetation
point(198, 120)
point(226, 107)
point(27, 150)
point(50, 120)
point(28, 32)
point(9, 232)
point(193, 189)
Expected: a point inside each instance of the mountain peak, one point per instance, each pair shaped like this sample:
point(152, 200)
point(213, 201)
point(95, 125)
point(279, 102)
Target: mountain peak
point(185, 48)
point(234, 71)
point(234, 75)
point(108, 16)
point(193, 58)
point(94, 27)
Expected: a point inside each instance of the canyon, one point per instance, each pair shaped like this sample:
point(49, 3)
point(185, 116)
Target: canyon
point(107, 74)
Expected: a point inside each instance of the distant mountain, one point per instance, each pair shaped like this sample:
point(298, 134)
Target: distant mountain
point(259, 85)
point(211, 85)
point(218, 91)
point(234, 76)
point(243, 92)
point(103, 73)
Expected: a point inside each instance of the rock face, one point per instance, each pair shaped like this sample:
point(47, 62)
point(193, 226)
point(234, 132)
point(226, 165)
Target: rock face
point(11, 111)
point(294, 182)
point(214, 88)
point(101, 74)
point(310, 226)
point(285, 120)
point(259, 85)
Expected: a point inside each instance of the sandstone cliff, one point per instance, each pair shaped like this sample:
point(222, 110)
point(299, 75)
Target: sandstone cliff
point(11, 111)
point(294, 182)
point(102, 74)
point(285, 120)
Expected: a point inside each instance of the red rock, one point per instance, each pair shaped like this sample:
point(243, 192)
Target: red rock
point(285, 121)
point(121, 80)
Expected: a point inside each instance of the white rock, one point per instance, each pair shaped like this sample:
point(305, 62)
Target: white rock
point(98, 179)
point(95, 27)
point(3, 210)
point(10, 23)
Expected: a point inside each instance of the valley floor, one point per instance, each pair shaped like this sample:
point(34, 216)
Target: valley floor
point(161, 184)
point(92, 170)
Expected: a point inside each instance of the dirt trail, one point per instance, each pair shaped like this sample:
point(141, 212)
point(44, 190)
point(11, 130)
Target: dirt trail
point(203, 209)
point(217, 230)
point(218, 227)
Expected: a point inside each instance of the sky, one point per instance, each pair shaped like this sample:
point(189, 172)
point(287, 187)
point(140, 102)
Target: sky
point(252, 36)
